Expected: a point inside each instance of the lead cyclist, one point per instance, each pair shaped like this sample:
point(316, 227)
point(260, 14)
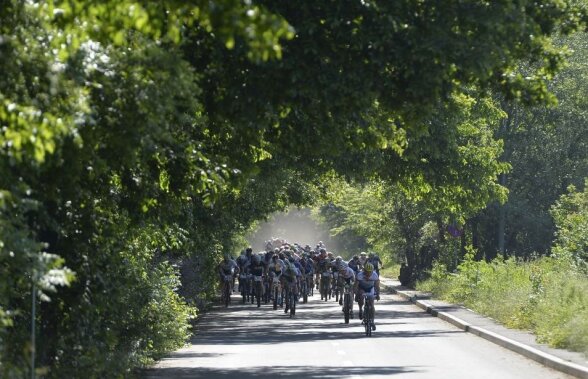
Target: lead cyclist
point(367, 282)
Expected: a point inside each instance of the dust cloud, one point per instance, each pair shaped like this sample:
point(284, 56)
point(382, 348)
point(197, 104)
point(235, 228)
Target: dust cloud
point(295, 226)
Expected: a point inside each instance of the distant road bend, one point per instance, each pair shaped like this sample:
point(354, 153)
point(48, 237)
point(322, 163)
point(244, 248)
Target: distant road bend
point(244, 341)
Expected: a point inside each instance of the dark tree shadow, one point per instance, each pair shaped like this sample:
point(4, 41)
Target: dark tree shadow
point(277, 372)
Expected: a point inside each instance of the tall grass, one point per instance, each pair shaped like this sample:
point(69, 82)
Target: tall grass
point(547, 296)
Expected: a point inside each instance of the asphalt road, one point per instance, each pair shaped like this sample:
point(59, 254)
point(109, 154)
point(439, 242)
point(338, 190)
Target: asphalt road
point(244, 341)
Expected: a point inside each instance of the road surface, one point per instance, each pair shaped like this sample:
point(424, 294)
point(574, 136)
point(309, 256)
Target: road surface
point(244, 341)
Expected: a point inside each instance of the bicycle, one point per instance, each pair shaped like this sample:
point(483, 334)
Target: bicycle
point(304, 290)
point(258, 283)
point(244, 287)
point(266, 290)
point(277, 292)
point(368, 314)
point(347, 303)
point(335, 286)
point(325, 285)
point(226, 293)
point(291, 298)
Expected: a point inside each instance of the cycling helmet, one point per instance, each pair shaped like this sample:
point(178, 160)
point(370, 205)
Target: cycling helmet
point(342, 266)
point(368, 267)
point(363, 253)
point(323, 251)
point(339, 258)
point(249, 250)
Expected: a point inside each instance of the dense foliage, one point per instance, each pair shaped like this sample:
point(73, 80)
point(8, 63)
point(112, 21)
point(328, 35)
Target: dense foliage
point(138, 140)
point(547, 295)
point(547, 149)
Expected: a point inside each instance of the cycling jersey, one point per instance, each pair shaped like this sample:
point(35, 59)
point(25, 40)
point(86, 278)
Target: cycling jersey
point(257, 269)
point(366, 283)
point(243, 262)
point(354, 265)
point(291, 273)
point(323, 265)
point(308, 266)
point(228, 267)
point(347, 274)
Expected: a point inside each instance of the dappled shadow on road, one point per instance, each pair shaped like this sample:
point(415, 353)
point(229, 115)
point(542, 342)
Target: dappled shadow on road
point(288, 372)
point(191, 354)
point(230, 336)
point(241, 327)
point(318, 320)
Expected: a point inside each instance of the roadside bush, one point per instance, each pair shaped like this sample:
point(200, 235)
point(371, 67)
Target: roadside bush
point(123, 313)
point(547, 296)
point(561, 313)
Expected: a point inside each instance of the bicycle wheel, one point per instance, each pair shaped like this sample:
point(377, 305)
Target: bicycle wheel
point(266, 293)
point(287, 298)
point(324, 288)
point(227, 292)
point(253, 286)
point(346, 308)
point(292, 304)
point(368, 318)
point(242, 287)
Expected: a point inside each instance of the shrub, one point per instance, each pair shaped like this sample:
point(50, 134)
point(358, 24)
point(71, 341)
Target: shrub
point(548, 296)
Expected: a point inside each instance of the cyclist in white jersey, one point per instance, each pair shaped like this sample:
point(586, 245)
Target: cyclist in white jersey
point(366, 282)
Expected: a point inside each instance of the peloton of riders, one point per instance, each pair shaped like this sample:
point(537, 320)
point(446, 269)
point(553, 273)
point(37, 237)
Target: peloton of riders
point(289, 265)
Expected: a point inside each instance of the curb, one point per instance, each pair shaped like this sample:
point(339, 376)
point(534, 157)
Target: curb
point(545, 359)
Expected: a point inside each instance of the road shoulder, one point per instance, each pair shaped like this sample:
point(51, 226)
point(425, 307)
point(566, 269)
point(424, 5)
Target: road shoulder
point(521, 342)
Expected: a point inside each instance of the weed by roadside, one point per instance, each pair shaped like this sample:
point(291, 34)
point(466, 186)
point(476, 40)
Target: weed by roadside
point(546, 296)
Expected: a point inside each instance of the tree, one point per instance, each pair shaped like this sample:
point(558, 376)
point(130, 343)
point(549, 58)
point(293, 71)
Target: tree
point(546, 147)
point(131, 133)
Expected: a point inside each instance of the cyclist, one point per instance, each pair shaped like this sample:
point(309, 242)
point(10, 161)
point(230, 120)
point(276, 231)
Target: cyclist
point(257, 268)
point(291, 276)
point(362, 258)
point(335, 283)
point(367, 282)
point(276, 269)
point(308, 269)
point(243, 262)
point(293, 259)
point(323, 264)
point(354, 264)
point(347, 277)
point(376, 261)
point(227, 267)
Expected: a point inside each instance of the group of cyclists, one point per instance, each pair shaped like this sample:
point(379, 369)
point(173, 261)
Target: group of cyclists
point(285, 273)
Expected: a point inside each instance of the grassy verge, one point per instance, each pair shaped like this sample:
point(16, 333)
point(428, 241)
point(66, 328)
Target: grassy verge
point(390, 271)
point(546, 296)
